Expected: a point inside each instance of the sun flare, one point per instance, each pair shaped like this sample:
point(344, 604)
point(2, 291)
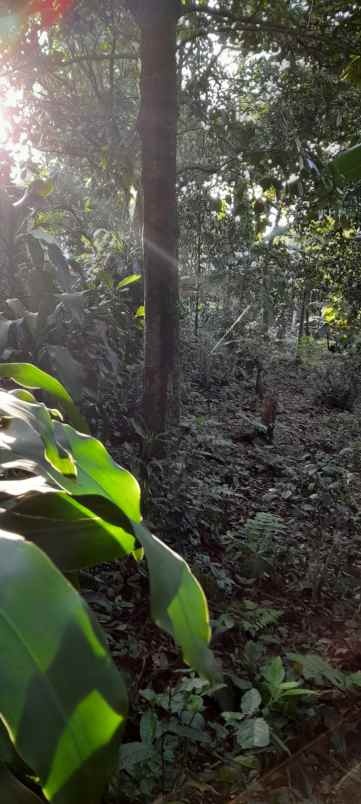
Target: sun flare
point(9, 99)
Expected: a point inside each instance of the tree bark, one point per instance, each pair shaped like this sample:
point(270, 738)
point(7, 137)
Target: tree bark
point(158, 131)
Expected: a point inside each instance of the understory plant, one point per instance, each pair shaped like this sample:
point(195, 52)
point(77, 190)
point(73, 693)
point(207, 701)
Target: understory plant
point(66, 505)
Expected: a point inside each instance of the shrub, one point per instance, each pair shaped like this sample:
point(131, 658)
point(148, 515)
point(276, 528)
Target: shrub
point(62, 701)
point(311, 352)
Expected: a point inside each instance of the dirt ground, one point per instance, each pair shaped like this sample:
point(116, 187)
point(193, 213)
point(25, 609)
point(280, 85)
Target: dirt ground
point(218, 476)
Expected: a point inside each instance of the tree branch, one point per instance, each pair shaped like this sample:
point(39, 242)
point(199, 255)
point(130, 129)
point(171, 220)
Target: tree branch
point(51, 63)
point(243, 23)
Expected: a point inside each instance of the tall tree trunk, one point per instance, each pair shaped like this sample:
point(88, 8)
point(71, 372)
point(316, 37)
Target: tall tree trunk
point(158, 131)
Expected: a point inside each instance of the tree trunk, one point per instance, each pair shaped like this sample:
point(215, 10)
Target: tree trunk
point(158, 131)
point(198, 273)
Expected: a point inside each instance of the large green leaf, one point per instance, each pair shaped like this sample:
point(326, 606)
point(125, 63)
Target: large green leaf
point(32, 377)
point(347, 164)
point(38, 418)
point(61, 697)
point(178, 603)
point(22, 443)
point(72, 535)
point(97, 472)
point(177, 600)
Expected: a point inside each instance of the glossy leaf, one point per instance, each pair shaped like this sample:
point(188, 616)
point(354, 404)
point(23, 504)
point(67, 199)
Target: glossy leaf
point(38, 418)
point(97, 473)
point(78, 714)
point(33, 377)
point(274, 672)
point(22, 446)
point(178, 603)
point(71, 534)
point(128, 280)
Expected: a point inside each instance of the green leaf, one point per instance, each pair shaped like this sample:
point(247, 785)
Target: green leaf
point(289, 685)
point(21, 446)
point(177, 600)
point(148, 726)
point(295, 693)
point(253, 733)
point(329, 313)
point(131, 754)
point(251, 701)
point(140, 311)
point(347, 164)
point(70, 533)
point(233, 717)
point(97, 473)
point(42, 234)
point(56, 673)
point(352, 71)
point(128, 280)
point(22, 393)
point(42, 187)
point(312, 666)
point(39, 419)
point(355, 678)
point(274, 672)
point(32, 377)
point(178, 603)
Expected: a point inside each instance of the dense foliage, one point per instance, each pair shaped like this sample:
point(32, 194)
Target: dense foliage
point(179, 268)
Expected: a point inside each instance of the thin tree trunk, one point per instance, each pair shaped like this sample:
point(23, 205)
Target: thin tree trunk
point(158, 131)
point(198, 273)
point(302, 317)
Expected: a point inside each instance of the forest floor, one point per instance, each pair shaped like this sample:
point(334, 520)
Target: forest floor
point(272, 531)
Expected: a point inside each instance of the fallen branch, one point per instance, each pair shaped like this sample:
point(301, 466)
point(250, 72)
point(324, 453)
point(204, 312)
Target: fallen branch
point(242, 315)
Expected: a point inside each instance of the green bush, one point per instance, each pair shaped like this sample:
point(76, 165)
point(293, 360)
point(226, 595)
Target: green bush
point(312, 352)
point(67, 505)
